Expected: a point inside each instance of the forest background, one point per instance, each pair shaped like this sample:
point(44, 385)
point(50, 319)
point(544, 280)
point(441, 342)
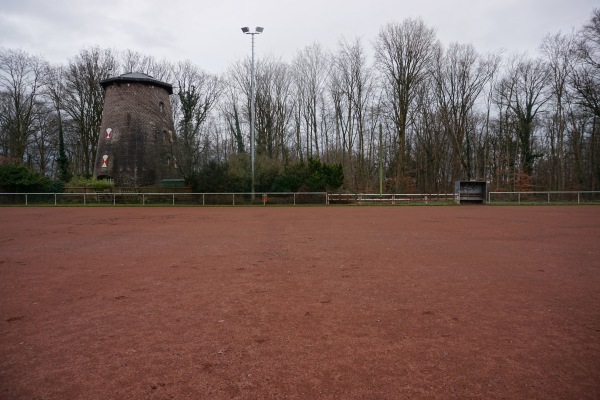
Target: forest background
point(427, 114)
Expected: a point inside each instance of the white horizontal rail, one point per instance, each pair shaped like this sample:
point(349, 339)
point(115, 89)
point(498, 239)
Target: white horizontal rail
point(392, 198)
point(292, 197)
point(546, 194)
point(184, 198)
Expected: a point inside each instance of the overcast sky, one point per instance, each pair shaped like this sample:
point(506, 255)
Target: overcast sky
point(207, 32)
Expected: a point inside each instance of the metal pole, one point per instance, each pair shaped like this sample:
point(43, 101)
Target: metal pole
point(257, 31)
point(380, 160)
point(252, 111)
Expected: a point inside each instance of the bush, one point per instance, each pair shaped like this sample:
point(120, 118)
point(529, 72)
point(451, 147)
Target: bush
point(266, 171)
point(91, 183)
point(312, 177)
point(288, 182)
point(324, 177)
point(238, 173)
point(212, 178)
point(19, 178)
point(235, 176)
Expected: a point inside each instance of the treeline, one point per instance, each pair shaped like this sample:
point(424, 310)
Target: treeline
point(425, 113)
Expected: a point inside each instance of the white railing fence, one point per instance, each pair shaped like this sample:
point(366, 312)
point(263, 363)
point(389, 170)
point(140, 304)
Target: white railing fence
point(548, 197)
point(189, 199)
point(392, 198)
point(232, 199)
point(291, 198)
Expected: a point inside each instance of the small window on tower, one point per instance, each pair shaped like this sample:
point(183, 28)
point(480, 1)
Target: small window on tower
point(161, 106)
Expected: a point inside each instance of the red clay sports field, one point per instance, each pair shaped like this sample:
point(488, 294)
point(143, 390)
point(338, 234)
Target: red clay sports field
point(465, 302)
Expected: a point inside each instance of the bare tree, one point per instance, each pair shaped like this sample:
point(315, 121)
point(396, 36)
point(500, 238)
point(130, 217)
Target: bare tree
point(197, 94)
point(403, 53)
point(352, 89)
point(273, 102)
point(524, 90)
point(83, 100)
point(54, 92)
point(237, 106)
point(21, 81)
point(558, 50)
point(42, 147)
point(230, 110)
point(341, 88)
point(431, 146)
point(310, 73)
point(273, 111)
point(586, 75)
point(133, 61)
point(585, 79)
point(460, 76)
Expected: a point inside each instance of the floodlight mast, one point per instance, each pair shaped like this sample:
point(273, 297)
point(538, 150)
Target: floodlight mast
point(258, 30)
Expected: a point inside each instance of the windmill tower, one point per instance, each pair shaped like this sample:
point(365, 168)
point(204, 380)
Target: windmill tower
point(137, 134)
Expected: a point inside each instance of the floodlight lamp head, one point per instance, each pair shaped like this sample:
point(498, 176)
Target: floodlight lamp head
point(259, 29)
point(245, 29)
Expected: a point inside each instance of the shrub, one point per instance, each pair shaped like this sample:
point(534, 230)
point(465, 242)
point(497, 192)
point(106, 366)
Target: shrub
point(19, 178)
point(235, 176)
point(313, 177)
point(324, 177)
point(211, 178)
point(91, 183)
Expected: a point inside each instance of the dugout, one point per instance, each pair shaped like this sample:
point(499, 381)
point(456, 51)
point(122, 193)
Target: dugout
point(470, 192)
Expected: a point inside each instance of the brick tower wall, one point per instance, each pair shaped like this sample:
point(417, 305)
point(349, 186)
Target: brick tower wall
point(136, 135)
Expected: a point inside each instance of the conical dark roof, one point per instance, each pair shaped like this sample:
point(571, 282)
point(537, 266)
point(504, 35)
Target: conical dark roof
point(136, 77)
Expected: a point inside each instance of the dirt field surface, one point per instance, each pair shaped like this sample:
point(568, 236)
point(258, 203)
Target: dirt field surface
point(465, 302)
